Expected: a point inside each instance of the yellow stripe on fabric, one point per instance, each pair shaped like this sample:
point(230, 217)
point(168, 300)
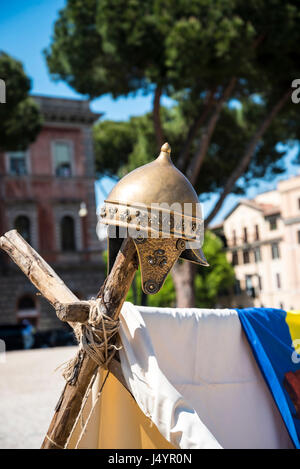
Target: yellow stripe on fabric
point(293, 321)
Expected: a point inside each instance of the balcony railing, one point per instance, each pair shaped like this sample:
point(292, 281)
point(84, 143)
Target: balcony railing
point(251, 242)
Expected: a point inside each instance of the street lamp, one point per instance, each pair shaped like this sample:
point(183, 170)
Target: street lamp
point(83, 210)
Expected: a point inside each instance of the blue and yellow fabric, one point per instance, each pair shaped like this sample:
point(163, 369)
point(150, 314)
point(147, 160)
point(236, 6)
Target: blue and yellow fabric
point(274, 336)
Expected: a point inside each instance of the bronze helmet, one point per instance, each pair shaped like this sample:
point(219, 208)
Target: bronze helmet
point(159, 209)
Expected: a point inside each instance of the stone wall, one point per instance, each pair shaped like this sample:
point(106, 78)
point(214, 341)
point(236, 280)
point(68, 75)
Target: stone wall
point(84, 280)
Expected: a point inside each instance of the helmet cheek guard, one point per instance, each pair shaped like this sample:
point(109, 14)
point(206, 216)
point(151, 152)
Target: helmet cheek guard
point(156, 259)
point(158, 208)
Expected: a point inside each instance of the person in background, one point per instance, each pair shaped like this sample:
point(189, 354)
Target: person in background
point(27, 333)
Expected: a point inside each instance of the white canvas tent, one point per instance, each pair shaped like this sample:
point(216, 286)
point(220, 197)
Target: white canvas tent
point(195, 385)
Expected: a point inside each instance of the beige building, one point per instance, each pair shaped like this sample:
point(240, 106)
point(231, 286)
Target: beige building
point(263, 244)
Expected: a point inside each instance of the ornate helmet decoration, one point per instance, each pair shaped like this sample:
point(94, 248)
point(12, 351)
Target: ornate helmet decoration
point(159, 209)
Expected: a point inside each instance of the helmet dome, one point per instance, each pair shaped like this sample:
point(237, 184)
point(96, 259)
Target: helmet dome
point(155, 201)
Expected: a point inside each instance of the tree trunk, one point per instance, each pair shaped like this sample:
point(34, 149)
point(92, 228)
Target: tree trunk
point(156, 117)
point(144, 301)
point(249, 152)
point(184, 274)
point(184, 282)
point(195, 165)
point(181, 162)
point(134, 291)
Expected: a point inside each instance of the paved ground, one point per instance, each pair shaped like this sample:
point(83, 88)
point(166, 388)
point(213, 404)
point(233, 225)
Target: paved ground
point(29, 390)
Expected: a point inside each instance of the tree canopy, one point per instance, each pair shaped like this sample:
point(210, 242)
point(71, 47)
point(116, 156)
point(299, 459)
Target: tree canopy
point(19, 115)
point(205, 56)
point(120, 147)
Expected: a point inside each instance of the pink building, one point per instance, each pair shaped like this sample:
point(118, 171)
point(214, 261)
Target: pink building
point(41, 192)
point(263, 244)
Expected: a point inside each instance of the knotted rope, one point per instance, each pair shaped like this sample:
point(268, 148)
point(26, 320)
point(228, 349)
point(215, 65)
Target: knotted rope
point(97, 338)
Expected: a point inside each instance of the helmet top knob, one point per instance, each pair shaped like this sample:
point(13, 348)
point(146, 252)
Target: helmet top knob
point(166, 148)
point(165, 153)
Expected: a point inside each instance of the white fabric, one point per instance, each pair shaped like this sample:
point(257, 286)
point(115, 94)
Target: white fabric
point(192, 372)
point(177, 421)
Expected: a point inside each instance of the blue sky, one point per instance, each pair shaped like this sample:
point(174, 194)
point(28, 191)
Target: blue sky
point(25, 30)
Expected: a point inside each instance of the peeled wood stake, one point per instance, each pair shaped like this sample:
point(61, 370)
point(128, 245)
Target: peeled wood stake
point(74, 312)
point(56, 292)
point(36, 268)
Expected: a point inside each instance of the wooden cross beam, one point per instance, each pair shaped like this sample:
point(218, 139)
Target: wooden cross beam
point(70, 309)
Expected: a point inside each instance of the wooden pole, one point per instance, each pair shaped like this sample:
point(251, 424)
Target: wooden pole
point(112, 297)
point(37, 270)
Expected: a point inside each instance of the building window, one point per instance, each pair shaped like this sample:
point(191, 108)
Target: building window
point(221, 236)
point(257, 254)
point(235, 258)
point(27, 312)
point(67, 227)
point(22, 225)
point(278, 281)
point(275, 251)
point(273, 223)
point(246, 257)
point(249, 287)
point(245, 235)
point(299, 204)
point(259, 283)
point(62, 159)
point(17, 164)
point(237, 287)
point(234, 238)
point(256, 233)
point(298, 235)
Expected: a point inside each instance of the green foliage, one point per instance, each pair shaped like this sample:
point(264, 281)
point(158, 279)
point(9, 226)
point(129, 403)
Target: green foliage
point(122, 146)
point(121, 46)
point(99, 46)
point(113, 143)
point(219, 276)
point(20, 117)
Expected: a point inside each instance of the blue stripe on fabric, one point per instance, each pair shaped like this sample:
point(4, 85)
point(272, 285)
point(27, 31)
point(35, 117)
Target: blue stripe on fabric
point(269, 337)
